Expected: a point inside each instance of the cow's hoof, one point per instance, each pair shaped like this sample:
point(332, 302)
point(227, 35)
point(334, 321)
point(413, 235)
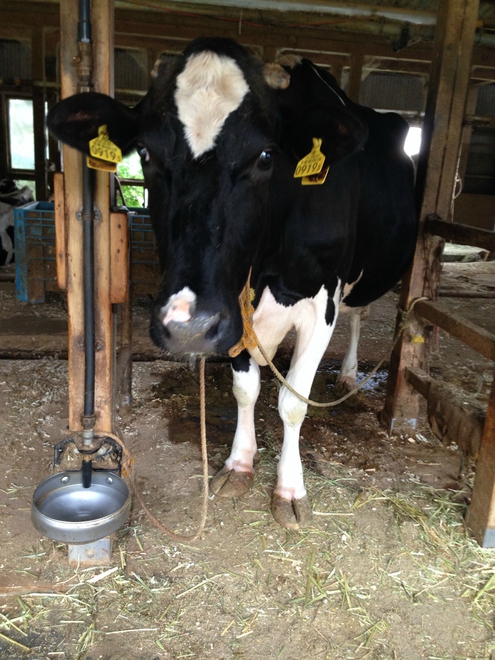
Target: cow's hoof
point(345, 385)
point(229, 483)
point(292, 514)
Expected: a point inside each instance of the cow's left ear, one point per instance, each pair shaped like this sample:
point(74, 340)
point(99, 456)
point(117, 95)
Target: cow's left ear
point(76, 120)
point(341, 132)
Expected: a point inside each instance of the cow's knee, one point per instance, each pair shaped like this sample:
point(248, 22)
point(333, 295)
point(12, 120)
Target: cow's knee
point(291, 408)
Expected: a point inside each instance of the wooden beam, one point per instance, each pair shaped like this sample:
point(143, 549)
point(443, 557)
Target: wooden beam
point(481, 514)
point(437, 168)
point(475, 337)
point(38, 73)
point(451, 418)
point(102, 18)
point(355, 77)
point(60, 230)
point(462, 234)
point(72, 161)
point(119, 257)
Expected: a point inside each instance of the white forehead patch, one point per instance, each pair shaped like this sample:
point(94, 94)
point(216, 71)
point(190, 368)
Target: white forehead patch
point(208, 90)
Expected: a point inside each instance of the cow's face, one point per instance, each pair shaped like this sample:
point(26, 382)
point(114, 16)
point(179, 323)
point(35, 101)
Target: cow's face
point(208, 153)
point(206, 134)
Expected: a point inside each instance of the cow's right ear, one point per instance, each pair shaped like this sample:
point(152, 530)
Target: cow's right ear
point(76, 120)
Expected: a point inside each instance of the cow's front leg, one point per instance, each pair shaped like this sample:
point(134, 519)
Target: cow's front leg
point(236, 476)
point(290, 505)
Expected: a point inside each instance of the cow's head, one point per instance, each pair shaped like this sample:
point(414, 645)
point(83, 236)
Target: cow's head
point(209, 136)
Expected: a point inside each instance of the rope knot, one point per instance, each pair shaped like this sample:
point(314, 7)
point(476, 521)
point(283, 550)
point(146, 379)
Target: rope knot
point(248, 339)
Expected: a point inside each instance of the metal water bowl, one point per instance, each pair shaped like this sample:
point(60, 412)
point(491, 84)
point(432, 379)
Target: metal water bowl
point(63, 510)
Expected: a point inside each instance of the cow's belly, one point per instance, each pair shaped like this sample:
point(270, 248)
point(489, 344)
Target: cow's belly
point(272, 321)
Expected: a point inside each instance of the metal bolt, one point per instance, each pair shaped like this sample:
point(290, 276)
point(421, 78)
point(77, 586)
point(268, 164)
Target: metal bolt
point(65, 480)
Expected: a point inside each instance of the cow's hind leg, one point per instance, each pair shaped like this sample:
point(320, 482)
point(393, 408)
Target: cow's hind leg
point(290, 505)
point(236, 476)
point(348, 371)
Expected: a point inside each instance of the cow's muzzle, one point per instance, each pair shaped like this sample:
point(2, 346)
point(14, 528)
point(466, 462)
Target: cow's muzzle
point(198, 335)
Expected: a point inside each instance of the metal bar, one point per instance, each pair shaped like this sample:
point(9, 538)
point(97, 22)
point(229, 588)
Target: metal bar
point(477, 338)
point(89, 292)
point(463, 234)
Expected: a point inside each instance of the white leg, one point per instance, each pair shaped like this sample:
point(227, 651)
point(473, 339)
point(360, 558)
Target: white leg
point(246, 390)
point(7, 245)
point(349, 368)
point(290, 506)
point(236, 477)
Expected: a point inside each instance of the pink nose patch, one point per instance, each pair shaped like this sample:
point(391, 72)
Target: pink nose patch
point(180, 307)
point(179, 311)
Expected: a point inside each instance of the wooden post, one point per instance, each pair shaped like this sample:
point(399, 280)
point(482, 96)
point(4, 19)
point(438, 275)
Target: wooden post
point(481, 514)
point(355, 77)
point(72, 164)
point(38, 75)
point(102, 20)
point(451, 67)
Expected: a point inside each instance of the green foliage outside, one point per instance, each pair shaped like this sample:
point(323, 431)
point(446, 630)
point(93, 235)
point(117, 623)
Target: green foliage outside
point(130, 168)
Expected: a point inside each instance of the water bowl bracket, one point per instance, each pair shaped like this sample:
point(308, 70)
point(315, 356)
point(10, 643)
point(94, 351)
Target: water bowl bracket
point(92, 450)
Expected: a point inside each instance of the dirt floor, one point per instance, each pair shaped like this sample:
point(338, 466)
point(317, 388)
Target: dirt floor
point(387, 571)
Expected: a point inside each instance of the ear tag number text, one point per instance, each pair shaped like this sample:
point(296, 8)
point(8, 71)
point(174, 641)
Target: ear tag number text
point(102, 148)
point(312, 163)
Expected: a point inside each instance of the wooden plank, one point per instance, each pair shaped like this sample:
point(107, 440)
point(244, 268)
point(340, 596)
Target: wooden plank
point(103, 34)
point(355, 77)
point(435, 184)
point(72, 161)
point(420, 380)
point(462, 234)
point(477, 338)
point(38, 73)
point(481, 514)
point(450, 417)
point(60, 232)
point(119, 257)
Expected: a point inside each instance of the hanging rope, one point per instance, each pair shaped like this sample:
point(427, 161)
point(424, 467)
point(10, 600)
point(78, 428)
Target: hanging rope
point(127, 470)
point(250, 340)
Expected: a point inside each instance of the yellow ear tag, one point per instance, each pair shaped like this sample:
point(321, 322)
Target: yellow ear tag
point(101, 148)
point(98, 164)
point(312, 163)
point(315, 179)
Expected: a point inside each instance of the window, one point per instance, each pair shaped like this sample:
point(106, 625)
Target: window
point(413, 141)
point(128, 170)
point(21, 134)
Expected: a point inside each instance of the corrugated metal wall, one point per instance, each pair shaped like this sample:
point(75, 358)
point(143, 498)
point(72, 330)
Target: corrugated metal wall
point(391, 91)
point(131, 69)
point(485, 106)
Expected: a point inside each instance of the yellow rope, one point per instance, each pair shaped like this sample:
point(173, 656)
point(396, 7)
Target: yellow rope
point(250, 340)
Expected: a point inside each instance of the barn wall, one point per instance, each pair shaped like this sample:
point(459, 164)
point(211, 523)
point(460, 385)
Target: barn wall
point(374, 68)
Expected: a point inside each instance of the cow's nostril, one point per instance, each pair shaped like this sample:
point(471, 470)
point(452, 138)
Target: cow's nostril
point(212, 332)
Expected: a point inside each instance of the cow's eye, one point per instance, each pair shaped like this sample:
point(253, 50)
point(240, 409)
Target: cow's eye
point(265, 160)
point(143, 152)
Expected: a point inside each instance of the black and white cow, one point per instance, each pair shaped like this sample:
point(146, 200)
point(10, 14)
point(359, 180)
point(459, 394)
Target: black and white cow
point(220, 136)
point(10, 196)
